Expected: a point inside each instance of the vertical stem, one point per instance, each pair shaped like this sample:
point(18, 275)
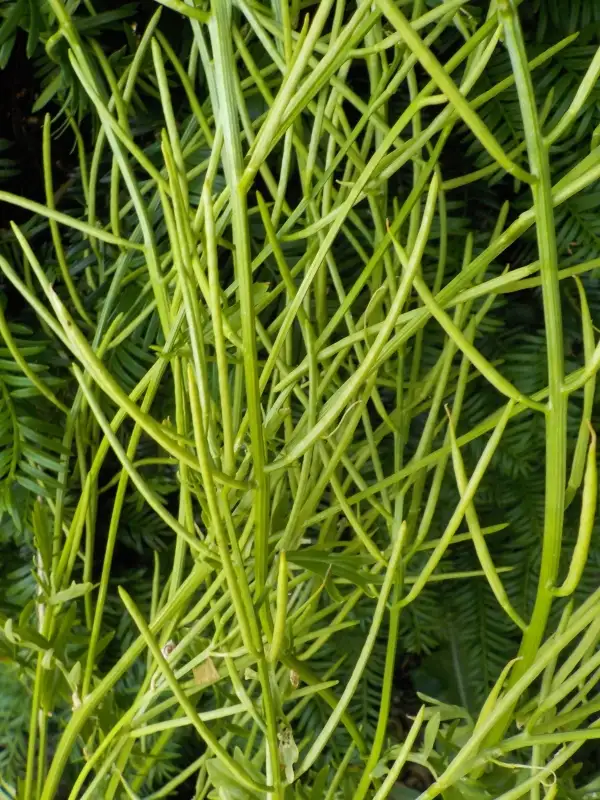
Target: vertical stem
point(556, 414)
point(225, 71)
point(386, 693)
point(33, 720)
point(225, 79)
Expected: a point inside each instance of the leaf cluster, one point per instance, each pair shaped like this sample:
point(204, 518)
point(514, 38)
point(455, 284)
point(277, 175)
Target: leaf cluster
point(238, 550)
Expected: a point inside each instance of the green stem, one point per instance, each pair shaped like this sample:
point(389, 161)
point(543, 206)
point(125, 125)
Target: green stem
point(556, 418)
point(225, 70)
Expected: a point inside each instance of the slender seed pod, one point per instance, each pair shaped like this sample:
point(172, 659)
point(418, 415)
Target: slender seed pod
point(281, 611)
point(586, 522)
